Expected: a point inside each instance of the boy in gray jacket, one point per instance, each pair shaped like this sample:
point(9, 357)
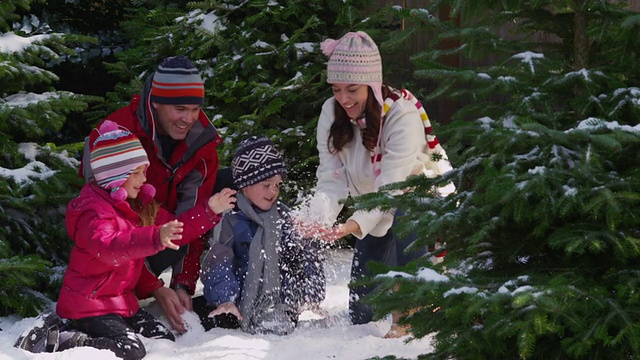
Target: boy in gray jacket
point(259, 270)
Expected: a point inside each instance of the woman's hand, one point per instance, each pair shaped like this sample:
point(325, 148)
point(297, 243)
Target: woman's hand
point(342, 230)
point(222, 201)
point(335, 233)
point(312, 230)
point(226, 308)
point(171, 231)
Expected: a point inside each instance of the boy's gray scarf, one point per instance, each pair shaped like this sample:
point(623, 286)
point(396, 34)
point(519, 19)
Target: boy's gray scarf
point(262, 282)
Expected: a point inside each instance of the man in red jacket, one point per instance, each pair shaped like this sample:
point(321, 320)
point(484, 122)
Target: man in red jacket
point(180, 142)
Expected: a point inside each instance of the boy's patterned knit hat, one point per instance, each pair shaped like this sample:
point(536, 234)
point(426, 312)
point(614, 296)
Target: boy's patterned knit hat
point(256, 159)
point(354, 59)
point(114, 153)
point(177, 81)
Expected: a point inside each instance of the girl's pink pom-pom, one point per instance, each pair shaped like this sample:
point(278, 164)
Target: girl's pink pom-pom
point(108, 126)
point(118, 193)
point(147, 192)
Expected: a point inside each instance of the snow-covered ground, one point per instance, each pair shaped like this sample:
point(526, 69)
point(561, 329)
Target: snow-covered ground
point(317, 337)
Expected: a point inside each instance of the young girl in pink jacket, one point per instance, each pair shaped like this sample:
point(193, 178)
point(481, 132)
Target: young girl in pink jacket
point(115, 225)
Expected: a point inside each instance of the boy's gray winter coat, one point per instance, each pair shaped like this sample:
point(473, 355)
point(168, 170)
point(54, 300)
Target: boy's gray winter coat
point(259, 262)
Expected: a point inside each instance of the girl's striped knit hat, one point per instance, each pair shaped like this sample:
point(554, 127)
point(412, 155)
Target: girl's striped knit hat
point(177, 81)
point(354, 59)
point(114, 153)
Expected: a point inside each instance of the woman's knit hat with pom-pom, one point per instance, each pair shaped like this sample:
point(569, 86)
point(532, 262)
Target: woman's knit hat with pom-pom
point(354, 59)
point(115, 154)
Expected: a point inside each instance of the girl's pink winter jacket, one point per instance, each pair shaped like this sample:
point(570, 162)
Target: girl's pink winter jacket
point(107, 260)
point(108, 256)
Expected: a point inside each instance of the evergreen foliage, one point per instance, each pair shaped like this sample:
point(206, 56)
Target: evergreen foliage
point(82, 71)
point(37, 178)
point(542, 234)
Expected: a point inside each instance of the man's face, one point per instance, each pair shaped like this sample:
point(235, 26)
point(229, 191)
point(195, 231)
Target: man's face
point(175, 120)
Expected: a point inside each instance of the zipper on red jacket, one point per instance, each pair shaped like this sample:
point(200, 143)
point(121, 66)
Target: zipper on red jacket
point(171, 177)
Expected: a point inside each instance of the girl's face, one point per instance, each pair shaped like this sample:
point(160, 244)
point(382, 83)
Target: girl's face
point(352, 98)
point(135, 181)
point(265, 193)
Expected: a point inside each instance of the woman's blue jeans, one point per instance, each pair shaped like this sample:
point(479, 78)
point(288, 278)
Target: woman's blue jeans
point(386, 249)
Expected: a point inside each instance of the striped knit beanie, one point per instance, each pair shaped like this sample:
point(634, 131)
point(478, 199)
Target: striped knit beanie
point(354, 59)
point(114, 153)
point(256, 159)
point(177, 81)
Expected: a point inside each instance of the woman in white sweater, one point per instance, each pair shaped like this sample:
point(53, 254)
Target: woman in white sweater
point(368, 135)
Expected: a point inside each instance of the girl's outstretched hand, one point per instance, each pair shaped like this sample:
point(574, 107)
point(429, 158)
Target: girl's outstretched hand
point(171, 231)
point(222, 201)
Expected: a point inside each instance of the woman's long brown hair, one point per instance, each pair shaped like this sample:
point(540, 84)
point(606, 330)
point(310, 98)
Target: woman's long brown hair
point(341, 132)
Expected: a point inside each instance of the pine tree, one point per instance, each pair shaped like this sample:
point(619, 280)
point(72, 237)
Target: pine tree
point(37, 177)
point(263, 70)
point(542, 235)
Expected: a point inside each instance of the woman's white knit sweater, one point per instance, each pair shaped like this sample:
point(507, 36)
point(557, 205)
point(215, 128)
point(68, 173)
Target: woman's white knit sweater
point(350, 171)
